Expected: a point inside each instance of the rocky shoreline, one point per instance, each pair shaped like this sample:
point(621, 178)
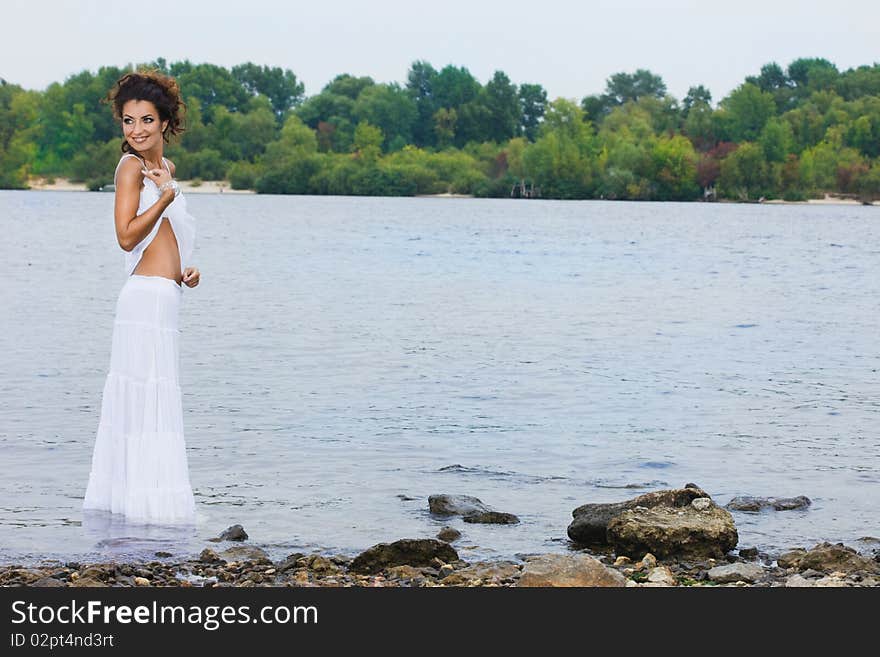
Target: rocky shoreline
point(677, 537)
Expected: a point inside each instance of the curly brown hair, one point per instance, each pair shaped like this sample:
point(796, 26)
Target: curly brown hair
point(161, 90)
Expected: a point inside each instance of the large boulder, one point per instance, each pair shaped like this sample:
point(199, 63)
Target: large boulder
point(665, 531)
point(564, 570)
point(405, 552)
point(590, 524)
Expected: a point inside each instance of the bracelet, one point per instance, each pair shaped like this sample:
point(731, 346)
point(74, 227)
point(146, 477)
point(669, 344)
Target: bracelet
point(171, 184)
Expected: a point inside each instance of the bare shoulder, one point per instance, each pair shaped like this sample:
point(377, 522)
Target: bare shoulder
point(171, 166)
point(130, 171)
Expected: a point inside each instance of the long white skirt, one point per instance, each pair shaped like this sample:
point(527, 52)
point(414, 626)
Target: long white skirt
point(139, 465)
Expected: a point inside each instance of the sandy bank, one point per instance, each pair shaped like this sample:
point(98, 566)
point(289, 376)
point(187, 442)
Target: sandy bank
point(187, 186)
point(827, 200)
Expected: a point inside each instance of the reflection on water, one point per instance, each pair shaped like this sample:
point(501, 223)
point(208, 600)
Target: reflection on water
point(113, 537)
point(345, 358)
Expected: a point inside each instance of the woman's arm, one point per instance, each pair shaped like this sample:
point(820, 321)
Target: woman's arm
point(131, 228)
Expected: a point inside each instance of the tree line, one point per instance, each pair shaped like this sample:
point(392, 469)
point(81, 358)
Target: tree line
point(793, 133)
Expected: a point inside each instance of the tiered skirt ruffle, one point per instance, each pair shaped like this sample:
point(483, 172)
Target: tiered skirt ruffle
point(139, 465)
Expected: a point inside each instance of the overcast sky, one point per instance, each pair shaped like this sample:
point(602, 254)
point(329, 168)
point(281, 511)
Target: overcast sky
point(569, 46)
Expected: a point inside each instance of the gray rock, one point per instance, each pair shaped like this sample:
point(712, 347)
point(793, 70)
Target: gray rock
point(749, 503)
point(560, 570)
point(448, 534)
point(244, 553)
point(832, 582)
point(748, 553)
point(701, 503)
point(673, 532)
point(735, 572)
point(405, 552)
point(234, 533)
point(590, 524)
point(797, 581)
point(455, 505)
point(492, 518)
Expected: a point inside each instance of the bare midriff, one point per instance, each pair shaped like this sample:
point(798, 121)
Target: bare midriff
point(162, 256)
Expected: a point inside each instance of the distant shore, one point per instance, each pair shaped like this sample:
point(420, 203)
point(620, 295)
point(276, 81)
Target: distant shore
point(223, 187)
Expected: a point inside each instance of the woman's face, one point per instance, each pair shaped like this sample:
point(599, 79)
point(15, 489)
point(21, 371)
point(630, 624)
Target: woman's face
point(141, 125)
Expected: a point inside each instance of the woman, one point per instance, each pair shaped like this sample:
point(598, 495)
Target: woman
point(139, 465)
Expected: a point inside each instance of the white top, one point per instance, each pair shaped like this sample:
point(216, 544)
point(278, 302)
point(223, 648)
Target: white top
point(182, 222)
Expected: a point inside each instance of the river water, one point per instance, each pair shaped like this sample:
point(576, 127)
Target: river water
point(344, 358)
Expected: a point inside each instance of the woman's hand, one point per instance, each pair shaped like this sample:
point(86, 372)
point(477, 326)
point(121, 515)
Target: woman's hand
point(191, 276)
point(158, 176)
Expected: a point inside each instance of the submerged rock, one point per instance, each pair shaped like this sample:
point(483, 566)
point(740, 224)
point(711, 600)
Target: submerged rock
point(492, 517)
point(748, 503)
point(234, 533)
point(455, 505)
point(472, 509)
point(405, 552)
point(560, 570)
point(448, 534)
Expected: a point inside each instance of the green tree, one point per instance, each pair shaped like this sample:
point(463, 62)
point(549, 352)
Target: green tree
point(454, 86)
point(699, 126)
point(390, 108)
point(812, 74)
point(624, 87)
point(368, 142)
point(348, 85)
point(420, 86)
point(444, 126)
point(214, 86)
point(562, 160)
point(699, 96)
point(280, 86)
point(674, 169)
point(746, 174)
point(776, 140)
point(533, 104)
point(505, 113)
point(775, 82)
point(745, 111)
